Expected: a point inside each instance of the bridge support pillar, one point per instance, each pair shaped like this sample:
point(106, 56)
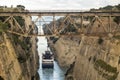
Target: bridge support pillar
point(81, 24)
point(109, 18)
point(54, 24)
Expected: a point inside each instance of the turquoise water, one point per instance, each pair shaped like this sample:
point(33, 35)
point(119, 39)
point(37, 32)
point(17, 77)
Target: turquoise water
point(48, 74)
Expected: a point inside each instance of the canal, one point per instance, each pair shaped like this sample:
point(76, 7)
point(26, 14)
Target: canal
point(48, 74)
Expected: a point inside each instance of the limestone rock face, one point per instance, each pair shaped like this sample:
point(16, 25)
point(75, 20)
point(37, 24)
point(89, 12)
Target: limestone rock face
point(19, 58)
point(86, 52)
point(9, 66)
point(66, 50)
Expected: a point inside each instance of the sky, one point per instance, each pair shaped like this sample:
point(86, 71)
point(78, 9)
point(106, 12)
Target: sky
point(59, 4)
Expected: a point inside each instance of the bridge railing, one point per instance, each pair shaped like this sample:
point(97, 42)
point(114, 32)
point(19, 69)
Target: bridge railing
point(58, 10)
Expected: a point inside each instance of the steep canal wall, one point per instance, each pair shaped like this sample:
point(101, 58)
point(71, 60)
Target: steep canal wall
point(19, 58)
point(93, 58)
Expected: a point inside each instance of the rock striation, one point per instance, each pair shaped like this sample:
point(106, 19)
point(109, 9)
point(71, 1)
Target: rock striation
point(93, 58)
point(19, 58)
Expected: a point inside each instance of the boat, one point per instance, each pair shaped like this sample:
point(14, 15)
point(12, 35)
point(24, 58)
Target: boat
point(47, 60)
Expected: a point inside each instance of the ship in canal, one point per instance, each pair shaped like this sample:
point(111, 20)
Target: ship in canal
point(47, 59)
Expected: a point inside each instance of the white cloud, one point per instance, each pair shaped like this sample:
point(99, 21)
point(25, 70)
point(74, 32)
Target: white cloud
point(60, 4)
point(108, 2)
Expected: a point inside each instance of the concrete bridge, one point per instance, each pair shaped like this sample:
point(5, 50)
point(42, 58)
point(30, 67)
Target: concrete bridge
point(68, 14)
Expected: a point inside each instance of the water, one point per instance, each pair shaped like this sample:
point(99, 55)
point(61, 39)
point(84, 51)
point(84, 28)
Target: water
point(48, 74)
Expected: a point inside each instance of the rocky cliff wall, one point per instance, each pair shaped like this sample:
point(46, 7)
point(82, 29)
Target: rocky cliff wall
point(93, 58)
point(19, 59)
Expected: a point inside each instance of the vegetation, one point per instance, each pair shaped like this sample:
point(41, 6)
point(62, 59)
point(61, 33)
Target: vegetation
point(105, 66)
point(94, 58)
point(109, 7)
point(119, 60)
point(117, 19)
point(100, 41)
point(20, 20)
point(3, 27)
point(1, 78)
point(70, 78)
point(116, 37)
point(54, 39)
point(23, 44)
point(104, 69)
point(21, 7)
point(17, 40)
point(18, 8)
point(71, 28)
point(21, 59)
point(46, 30)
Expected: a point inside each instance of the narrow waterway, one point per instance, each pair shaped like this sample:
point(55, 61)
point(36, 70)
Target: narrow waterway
point(48, 74)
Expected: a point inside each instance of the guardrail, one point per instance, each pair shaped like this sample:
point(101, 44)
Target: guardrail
point(58, 10)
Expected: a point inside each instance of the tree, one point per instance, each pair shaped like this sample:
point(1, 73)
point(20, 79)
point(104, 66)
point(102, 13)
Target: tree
point(21, 7)
point(20, 20)
point(109, 7)
point(118, 6)
point(117, 19)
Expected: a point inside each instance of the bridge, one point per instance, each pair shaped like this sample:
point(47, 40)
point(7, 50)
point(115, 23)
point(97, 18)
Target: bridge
point(61, 13)
point(54, 29)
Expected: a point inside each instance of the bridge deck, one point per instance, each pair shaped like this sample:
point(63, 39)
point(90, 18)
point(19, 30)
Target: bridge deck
point(59, 13)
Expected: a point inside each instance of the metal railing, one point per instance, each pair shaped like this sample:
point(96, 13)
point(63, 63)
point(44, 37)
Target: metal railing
point(58, 10)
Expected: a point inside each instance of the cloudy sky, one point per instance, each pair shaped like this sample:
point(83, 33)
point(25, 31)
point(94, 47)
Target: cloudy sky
point(59, 4)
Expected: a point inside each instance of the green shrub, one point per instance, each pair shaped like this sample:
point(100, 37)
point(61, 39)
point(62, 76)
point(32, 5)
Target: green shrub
point(94, 58)
point(116, 37)
point(100, 41)
point(21, 59)
point(112, 77)
point(105, 66)
point(119, 60)
point(55, 40)
point(20, 20)
point(1, 78)
point(108, 68)
point(24, 43)
point(3, 27)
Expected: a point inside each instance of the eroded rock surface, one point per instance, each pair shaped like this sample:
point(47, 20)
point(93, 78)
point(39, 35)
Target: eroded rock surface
point(94, 58)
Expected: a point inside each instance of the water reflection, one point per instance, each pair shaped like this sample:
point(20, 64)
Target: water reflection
point(48, 74)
